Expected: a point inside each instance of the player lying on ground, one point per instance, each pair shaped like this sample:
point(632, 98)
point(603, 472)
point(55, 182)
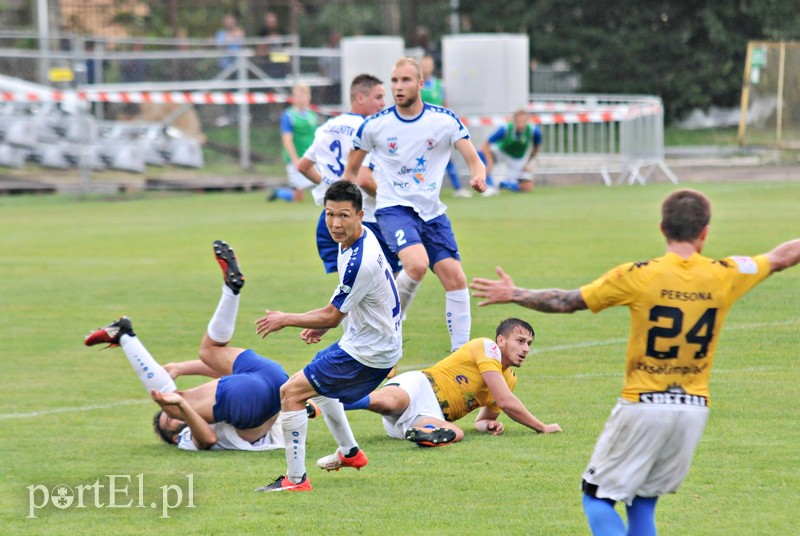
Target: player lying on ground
point(422, 405)
point(238, 410)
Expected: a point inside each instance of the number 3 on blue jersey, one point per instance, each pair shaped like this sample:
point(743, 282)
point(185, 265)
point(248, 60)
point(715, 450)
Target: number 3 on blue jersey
point(336, 148)
point(396, 308)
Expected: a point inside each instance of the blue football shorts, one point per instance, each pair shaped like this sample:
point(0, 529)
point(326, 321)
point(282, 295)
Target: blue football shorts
point(335, 374)
point(403, 227)
point(251, 395)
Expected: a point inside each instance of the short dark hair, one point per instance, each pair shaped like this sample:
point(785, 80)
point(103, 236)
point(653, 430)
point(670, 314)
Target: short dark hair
point(344, 191)
point(508, 325)
point(684, 215)
point(166, 436)
point(363, 84)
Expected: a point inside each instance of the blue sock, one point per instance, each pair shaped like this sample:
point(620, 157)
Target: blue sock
point(603, 519)
point(285, 193)
point(489, 180)
point(508, 185)
point(642, 516)
point(358, 404)
point(453, 174)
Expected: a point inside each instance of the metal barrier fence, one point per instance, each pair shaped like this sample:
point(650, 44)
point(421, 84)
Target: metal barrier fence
point(621, 137)
point(102, 75)
point(197, 87)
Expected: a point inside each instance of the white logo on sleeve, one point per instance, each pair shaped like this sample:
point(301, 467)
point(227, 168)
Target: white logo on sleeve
point(491, 350)
point(746, 265)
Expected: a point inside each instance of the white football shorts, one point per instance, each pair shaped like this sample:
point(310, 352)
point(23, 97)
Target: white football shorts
point(296, 179)
point(423, 403)
point(511, 169)
point(645, 450)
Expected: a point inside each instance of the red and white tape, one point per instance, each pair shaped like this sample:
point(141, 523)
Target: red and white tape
point(140, 97)
point(546, 113)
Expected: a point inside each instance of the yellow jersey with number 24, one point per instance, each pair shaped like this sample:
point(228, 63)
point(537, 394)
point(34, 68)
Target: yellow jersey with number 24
point(677, 308)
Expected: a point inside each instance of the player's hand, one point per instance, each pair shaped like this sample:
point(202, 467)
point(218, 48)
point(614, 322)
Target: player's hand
point(551, 429)
point(270, 322)
point(495, 291)
point(478, 184)
point(312, 336)
point(172, 370)
point(166, 399)
point(495, 427)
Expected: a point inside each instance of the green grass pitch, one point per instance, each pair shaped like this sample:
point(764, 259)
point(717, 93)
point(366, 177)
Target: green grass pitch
point(72, 415)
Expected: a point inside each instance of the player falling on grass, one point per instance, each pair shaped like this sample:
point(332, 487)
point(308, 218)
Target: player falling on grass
point(236, 411)
point(410, 144)
point(677, 303)
point(366, 304)
point(423, 405)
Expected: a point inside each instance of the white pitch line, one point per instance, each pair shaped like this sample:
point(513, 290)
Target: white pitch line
point(74, 409)
point(587, 344)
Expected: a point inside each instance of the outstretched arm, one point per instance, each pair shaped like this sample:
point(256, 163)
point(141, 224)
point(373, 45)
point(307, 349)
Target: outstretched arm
point(512, 406)
point(545, 301)
point(202, 434)
point(784, 256)
point(318, 319)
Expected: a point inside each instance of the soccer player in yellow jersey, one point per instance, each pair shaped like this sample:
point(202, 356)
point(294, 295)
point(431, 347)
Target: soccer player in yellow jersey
point(422, 405)
point(677, 304)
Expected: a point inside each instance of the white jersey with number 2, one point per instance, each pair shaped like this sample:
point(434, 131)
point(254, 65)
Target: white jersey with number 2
point(410, 156)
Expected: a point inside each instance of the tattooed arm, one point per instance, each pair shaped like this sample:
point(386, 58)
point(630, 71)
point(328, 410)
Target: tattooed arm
point(546, 301)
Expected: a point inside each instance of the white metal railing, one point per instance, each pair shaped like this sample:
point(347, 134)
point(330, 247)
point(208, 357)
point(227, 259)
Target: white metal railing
point(620, 135)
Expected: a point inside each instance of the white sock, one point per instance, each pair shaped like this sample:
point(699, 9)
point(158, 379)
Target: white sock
point(221, 326)
point(335, 418)
point(151, 374)
point(406, 290)
point(459, 320)
point(295, 426)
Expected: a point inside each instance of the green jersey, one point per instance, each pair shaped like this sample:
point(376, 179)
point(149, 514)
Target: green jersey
point(516, 145)
point(301, 125)
point(432, 92)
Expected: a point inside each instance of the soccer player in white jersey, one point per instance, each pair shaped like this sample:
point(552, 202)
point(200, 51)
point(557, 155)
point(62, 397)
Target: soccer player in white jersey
point(323, 162)
point(410, 144)
point(236, 411)
point(366, 303)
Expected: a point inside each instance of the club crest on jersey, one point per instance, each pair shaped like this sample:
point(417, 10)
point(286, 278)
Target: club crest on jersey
point(430, 143)
point(491, 350)
point(391, 144)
